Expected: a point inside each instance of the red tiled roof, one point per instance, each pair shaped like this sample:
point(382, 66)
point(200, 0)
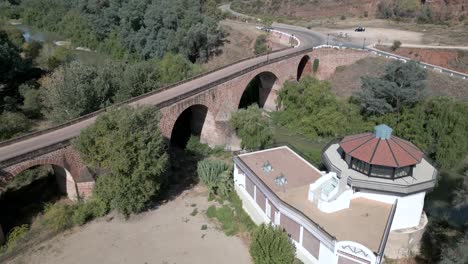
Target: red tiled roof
point(391, 152)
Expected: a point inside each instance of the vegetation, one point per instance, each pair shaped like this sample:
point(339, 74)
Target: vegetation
point(126, 30)
point(252, 127)
point(457, 253)
point(14, 237)
point(310, 108)
point(231, 215)
point(396, 45)
point(128, 145)
point(216, 175)
point(402, 85)
point(76, 89)
point(261, 45)
point(315, 65)
point(271, 245)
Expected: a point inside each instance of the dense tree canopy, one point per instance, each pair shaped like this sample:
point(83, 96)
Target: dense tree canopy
point(310, 108)
point(402, 85)
point(127, 144)
point(148, 29)
point(252, 127)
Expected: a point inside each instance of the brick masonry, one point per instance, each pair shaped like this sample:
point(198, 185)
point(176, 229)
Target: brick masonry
point(66, 158)
point(221, 100)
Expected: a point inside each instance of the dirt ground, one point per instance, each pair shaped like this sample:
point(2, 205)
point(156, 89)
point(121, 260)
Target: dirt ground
point(452, 59)
point(166, 235)
point(375, 35)
point(347, 79)
point(239, 43)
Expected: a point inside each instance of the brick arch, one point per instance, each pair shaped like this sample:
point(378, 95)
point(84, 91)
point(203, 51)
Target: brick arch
point(77, 175)
point(271, 82)
point(304, 67)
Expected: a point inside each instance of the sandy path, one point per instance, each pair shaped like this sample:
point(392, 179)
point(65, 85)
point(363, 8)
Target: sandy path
point(159, 236)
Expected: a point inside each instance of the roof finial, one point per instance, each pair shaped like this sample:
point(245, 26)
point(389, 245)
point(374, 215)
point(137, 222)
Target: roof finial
point(383, 131)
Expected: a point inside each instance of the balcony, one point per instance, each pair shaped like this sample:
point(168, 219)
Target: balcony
point(423, 178)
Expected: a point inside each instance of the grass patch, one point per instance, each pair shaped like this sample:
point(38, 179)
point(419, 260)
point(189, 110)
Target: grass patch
point(232, 217)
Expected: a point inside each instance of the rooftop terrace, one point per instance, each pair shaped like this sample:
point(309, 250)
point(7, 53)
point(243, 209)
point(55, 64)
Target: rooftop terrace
point(365, 221)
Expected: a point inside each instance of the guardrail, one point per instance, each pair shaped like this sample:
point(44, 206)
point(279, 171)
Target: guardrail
point(134, 99)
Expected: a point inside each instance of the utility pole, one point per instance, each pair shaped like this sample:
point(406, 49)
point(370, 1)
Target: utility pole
point(328, 35)
point(364, 43)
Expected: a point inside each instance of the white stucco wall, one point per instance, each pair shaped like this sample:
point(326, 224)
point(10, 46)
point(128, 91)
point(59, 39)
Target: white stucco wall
point(409, 208)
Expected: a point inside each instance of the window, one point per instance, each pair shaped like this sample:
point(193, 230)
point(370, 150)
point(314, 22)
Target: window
point(404, 171)
point(381, 171)
point(360, 166)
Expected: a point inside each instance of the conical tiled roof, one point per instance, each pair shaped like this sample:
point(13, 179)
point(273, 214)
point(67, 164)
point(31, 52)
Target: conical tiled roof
point(381, 148)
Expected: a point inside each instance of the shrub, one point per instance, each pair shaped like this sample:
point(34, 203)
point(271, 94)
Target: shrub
point(15, 236)
point(86, 211)
point(261, 44)
point(196, 148)
point(270, 245)
point(343, 17)
point(12, 123)
point(216, 175)
point(252, 127)
point(128, 144)
point(58, 216)
point(315, 65)
point(396, 45)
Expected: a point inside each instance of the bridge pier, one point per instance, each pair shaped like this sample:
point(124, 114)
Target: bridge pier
point(66, 183)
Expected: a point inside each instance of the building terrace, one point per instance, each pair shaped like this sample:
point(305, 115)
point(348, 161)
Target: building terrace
point(365, 221)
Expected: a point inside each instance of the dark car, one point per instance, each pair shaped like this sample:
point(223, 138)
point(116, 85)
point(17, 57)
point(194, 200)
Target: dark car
point(360, 29)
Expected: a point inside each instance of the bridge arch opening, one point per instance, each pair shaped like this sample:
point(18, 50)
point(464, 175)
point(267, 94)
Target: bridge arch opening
point(195, 120)
point(261, 90)
point(304, 68)
point(28, 191)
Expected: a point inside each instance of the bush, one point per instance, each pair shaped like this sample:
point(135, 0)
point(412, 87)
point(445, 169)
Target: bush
point(270, 245)
point(58, 216)
point(86, 211)
point(261, 45)
point(252, 127)
point(343, 17)
point(396, 45)
point(315, 65)
point(216, 175)
point(127, 143)
point(196, 148)
point(12, 123)
point(15, 236)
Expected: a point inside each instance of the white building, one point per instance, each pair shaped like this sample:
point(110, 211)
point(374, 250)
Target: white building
point(369, 201)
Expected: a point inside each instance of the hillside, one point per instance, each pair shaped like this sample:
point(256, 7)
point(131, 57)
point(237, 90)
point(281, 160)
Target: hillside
point(439, 10)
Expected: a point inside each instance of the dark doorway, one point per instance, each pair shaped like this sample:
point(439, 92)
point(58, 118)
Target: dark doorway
point(190, 122)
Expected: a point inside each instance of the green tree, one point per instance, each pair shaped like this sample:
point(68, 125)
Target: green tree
point(128, 145)
point(402, 85)
point(32, 103)
point(216, 175)
point(261, 45)
point(456, 254)
point(271, 245)
point(252, 127)
point(310, 108)
point(13, 123)
point(173, 68)
point(76, 89)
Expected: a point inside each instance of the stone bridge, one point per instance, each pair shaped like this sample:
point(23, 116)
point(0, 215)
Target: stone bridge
point(198, 106)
